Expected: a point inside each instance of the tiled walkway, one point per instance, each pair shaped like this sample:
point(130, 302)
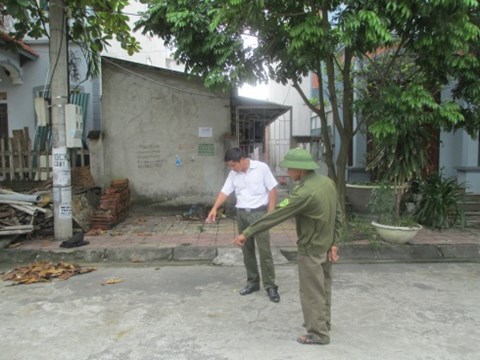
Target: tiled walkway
point(144, 229)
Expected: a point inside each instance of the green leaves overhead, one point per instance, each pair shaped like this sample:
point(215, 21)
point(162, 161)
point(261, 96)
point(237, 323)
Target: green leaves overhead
point(295, 37)
point(93, 23)
point(335, 40)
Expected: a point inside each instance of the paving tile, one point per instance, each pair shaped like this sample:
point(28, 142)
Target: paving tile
point(145, 229)
point(206, 240)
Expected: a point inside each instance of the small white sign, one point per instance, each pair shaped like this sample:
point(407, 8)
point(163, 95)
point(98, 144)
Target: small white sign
point(60, 158)
point(65, 211)
point(205, 132)
point(61, 166)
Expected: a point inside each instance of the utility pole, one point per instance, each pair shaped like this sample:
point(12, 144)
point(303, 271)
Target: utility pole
point(62, 190)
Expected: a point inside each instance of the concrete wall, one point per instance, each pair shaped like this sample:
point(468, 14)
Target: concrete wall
point(151, 116)
point(462, 163)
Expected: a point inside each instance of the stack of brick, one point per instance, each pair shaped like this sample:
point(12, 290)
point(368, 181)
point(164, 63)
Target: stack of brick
point(113, 207)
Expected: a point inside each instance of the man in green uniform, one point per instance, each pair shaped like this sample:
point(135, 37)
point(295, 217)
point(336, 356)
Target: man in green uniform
point(314, 204)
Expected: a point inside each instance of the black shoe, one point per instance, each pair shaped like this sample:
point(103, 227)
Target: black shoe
point(273, 294)
point(249, 289)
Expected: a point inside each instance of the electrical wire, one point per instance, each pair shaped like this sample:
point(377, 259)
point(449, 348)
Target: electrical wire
point(160, 83)
point(58, 54)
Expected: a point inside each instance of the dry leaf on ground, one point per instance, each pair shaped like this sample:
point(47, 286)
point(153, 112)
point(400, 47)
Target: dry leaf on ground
point(43, 271)
point(95, 232)
point(112, 281)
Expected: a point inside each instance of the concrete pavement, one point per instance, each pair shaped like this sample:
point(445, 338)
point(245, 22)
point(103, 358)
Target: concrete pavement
point(148, 236)
point(380, 311)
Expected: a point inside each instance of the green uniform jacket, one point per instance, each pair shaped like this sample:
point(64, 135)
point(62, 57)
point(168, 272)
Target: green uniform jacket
point(314, 203)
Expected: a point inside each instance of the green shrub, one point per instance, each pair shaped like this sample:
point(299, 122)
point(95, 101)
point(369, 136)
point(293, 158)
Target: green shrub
point(357, 229)
point(383, 204)
point(439, 204)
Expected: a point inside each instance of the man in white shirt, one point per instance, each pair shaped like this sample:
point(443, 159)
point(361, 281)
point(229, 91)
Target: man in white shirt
point(255, 190)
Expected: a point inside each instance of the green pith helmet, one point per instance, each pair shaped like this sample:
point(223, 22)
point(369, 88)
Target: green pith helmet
point(298, 159)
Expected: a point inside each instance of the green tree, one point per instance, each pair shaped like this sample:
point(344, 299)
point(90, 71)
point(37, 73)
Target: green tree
point(89, 23)
point(93, 23)
point(329, 38)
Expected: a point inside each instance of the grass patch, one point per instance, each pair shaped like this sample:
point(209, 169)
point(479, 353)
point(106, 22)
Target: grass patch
point(357, 228)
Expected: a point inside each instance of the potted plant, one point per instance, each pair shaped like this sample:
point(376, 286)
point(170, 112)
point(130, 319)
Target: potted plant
point(389, 225)
point(398, 160)
point(401, 107)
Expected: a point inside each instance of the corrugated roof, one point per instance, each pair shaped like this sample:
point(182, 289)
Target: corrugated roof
point(23, 48)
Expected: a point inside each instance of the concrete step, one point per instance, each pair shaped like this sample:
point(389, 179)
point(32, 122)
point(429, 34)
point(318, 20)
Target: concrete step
point(470, 203)
point(469, 206)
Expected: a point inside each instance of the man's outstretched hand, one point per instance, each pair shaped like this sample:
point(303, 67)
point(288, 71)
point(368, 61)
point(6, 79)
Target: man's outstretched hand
point(240, 240)
point(212, 217)
point(332, 254)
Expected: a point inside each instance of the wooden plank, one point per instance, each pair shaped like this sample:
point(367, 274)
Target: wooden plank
point(47, 162)
point(82, 156)
point(20, 163)
point(29, 154)
point(15, 232)
point(10, 156)
point(18, 142)
point(18, 227)
point(4, 159)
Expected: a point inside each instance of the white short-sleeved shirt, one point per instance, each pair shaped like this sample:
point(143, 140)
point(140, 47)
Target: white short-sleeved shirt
point(251, 188)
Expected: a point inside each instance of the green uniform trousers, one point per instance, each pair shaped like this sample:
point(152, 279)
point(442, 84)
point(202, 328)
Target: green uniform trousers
point(262, 239)
point(315, 279)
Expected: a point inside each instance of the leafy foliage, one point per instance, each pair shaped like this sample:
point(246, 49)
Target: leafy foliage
point(93, 24)
point(397, 95)
point(357, 229)
point(382, 203)
point(331, 39)
point(439, 205)
point(400, 157)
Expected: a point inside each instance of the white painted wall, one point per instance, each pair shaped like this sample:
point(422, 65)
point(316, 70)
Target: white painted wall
point(287, 95)
point(152, 52)
point(279, 133)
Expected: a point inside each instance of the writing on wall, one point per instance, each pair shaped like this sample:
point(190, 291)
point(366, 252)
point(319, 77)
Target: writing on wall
point(149, 156)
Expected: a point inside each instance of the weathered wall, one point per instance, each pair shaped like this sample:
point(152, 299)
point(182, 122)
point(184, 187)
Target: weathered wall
point(151, 116)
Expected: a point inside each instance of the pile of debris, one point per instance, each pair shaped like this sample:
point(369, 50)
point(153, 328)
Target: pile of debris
point(113, 207)
point(31, 213)
point(22, 214)
point(43, 272)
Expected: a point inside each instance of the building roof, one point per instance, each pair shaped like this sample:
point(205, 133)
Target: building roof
point(22, 48)
point(257, 110)
point(248, 109)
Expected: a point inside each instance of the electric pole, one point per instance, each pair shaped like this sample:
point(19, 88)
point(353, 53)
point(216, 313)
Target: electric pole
point(62, 190)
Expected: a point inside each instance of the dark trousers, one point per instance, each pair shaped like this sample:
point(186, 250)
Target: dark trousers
point(262, 240)
point(315, 279)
